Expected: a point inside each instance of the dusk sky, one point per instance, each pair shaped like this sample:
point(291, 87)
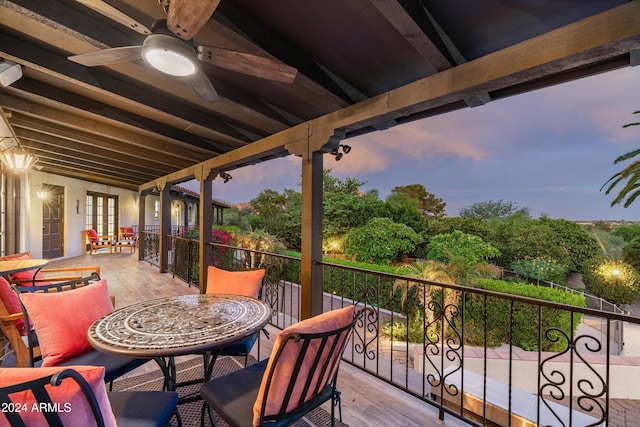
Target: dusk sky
point(549, 150)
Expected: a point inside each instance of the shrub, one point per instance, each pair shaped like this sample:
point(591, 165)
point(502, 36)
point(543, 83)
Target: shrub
point(520, 325)
point(615, 281)
point(540, 270)
point(444, 247)
point(380, 241)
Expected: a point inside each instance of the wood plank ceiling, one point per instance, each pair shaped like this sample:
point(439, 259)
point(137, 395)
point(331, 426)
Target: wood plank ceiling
point(125, 124)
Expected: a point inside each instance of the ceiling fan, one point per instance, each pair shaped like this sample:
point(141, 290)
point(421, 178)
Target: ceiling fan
point(169, 48)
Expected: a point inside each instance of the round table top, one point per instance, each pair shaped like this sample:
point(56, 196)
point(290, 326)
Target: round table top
point(178, 325)
point(11, 266)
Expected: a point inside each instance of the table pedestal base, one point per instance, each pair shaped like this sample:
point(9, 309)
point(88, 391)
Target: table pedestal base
point(168, 367)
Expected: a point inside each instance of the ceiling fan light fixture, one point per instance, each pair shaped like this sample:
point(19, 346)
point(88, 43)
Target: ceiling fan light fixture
point(169, 55)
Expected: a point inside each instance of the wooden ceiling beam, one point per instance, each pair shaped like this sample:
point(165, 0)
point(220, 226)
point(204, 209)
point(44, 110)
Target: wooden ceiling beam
point(91, 177)
point(151, 87)
point(53, 147)
point(238, 25)
point(408, 27)
point(596, 40)
point(110, 135)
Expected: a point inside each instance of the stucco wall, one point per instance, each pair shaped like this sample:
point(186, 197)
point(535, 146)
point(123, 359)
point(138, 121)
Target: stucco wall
point(75, 192)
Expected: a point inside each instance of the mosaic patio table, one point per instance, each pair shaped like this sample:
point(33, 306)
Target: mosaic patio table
point(174, 326)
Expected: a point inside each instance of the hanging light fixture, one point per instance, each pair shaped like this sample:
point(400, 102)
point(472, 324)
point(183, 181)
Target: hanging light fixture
point(13, 155)
point(18, 160)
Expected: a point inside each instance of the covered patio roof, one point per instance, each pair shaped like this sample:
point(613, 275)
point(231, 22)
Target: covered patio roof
point(361, 65)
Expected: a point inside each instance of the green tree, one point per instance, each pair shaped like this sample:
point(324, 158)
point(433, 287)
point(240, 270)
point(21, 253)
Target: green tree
point(615, 281)
point(627, 232)
point(430, 205)
point(631, 253)
point(519, 239)
point(380, 241)
point(630, 174)
point(493, 209)
point(331, 184)
point(404, 210)
point(578, 245)
point(458, 246)
point(268, 203)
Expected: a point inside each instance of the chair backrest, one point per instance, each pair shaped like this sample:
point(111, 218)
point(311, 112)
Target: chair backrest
point(240, 282)
point(42, 394)
point(126, 233)
point(303, 367)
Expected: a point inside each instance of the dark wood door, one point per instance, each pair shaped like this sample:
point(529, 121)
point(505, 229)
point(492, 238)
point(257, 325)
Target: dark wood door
point(53, 222)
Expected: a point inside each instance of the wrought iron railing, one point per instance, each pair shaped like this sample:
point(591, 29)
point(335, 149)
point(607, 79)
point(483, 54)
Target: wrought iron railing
point(456, 347)
point(149, 245)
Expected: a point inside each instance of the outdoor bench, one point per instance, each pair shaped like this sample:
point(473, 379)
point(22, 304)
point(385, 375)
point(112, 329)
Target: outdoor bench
point(524, 405)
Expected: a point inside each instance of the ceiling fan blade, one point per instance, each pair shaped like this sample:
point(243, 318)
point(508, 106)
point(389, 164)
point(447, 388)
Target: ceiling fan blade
point(247, 63)
point(186, 17)
point(203, 87)
point(114, 14)
point(108, 56)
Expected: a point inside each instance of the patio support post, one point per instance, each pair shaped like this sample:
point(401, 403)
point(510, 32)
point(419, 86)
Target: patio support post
point(321, 139)
point(165, 227)
point(142, 205)
point(205, 177)
point(311, 272)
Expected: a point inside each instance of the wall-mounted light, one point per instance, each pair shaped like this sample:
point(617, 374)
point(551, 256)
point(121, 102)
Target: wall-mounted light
point(225, 176)
point(42, 193)
point(336, 151)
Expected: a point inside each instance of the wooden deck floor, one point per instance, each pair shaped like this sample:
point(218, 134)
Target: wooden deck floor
point(366, 401)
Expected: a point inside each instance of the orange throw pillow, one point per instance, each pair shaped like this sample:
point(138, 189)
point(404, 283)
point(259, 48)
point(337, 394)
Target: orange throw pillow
point(73, 408)
point(324, 322)
point(62, 319)
point(245, 283)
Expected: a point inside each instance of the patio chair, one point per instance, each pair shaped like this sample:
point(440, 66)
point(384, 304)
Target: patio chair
point(299, 376)
point(61, 314)
point(12, 323)
point(99, 242)
point(77, 397)
point(126, 238)
point(237, 282)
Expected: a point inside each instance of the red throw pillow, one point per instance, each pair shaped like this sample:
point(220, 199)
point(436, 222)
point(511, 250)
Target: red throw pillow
point(11, 302)
point(74, 410)
point(28, 275)
point(62, 319)
point(21, 255)
point(324, 322)
point(128, 232)
point(93, 236)
point(245, 283)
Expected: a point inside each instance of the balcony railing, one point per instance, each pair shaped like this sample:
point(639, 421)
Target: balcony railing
point(459, 348)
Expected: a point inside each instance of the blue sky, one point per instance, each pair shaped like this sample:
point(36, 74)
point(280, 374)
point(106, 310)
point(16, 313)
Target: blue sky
point(549, 150)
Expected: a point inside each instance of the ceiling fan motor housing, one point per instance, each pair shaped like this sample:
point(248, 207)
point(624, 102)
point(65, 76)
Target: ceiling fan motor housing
point(170, 55)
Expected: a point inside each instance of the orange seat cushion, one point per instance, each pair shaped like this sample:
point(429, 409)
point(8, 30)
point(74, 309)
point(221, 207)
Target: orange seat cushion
point(245, 283)
point(324, 322)
point(74, 408)
point(61, 319)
